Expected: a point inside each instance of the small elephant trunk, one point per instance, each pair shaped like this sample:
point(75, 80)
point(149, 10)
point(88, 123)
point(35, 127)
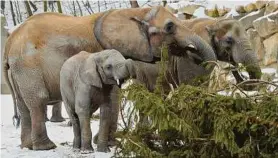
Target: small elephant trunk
point(204, 50)
point(243, 53)
point(131, 68)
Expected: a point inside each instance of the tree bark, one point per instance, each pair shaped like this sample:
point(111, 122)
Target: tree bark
point(3, 6)
point(80, 10)
point(12, 11)
point(59, 6)
point(28, 9)
point(164, 2)
point(74, 11)
point(45, 5)
point(33, 6)
point(98, 5)
point(18, 14)
point(134, 4)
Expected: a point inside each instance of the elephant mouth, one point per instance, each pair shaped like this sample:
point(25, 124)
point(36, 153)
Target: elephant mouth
point(119, 82)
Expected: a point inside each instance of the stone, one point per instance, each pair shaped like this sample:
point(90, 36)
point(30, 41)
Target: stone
point(4, 32)
point(267, 25)
point(183, 16)
point(256, 43)
point(212, 12)
point(189, 9)
point(170, 9)
point(240, 9)
point(247, 20)
point(250, 7)
point(223, 11)
point(260, 4)
point(271, 7)
point(271, 49)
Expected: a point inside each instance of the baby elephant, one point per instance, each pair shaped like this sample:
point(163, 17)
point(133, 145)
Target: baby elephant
point(86, 81)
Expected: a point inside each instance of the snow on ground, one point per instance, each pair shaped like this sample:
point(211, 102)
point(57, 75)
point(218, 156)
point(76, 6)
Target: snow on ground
point(59, 133)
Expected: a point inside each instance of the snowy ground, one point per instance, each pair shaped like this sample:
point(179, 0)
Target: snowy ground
point(59, 133)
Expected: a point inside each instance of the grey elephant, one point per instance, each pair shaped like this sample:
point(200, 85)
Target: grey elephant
point(56, 113)
point(230, 43)
point(36, 51)
point(85, 81)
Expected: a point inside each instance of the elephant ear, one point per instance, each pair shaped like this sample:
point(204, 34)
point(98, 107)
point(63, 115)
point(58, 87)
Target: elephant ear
point(117, 30)
point(89, 73)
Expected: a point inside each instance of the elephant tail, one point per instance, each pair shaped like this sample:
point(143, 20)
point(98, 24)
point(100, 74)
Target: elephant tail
point(16, 117)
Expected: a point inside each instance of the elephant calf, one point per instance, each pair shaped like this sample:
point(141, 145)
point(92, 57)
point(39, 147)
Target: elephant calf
point(86, 82)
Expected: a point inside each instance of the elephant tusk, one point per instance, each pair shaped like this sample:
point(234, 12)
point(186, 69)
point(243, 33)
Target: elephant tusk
point(118, 82)
point(191, 46)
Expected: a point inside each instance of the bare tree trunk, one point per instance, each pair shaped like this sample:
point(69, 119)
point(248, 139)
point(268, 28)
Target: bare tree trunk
point(74, 11)
point(81, 13)
point(3, 6)
point(12, 11)
point(27, 6)
point(33, 6)
point(18, 15)
point(98, 6)
point(164, 2)
point(59, 6)
point(134, 4)
point(45, 5)
point(87, 5)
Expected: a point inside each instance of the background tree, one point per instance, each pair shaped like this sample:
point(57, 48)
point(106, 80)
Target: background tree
point(2, 7)
point(164, 2)
point(12, 11)
point(28, 8)
point(134, 4)
point(80, 10)
point(59, 6)
point(45, 5)
point(33, 6)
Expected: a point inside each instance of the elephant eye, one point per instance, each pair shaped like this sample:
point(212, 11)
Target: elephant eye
point(169, 27)
point(108, 67)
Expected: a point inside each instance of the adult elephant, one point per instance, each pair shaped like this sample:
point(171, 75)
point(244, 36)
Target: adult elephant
point(35, 52)
point(230, 43)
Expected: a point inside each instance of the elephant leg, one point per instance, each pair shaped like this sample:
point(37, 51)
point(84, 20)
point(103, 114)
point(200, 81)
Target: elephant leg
point(57, 113)
point(105, 120)
point(75, 123)
point(115, 106)
point(26, 129)
point(46, 118)
point(83, 108)
point(86, 133)
point(35, 96)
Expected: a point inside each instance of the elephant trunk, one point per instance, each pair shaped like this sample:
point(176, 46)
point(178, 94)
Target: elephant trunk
point(200, 47)
point(131, 68)
point(243, 53)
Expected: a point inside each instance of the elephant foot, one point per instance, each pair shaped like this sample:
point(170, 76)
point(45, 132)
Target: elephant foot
point(26, 141)
point(69, 123)
point(27, 144)
point(44, 145)
point(103, 148)
point(76, 144)
point(57, 119)
point(87, 150)
point(46, 119)
point(111, 141)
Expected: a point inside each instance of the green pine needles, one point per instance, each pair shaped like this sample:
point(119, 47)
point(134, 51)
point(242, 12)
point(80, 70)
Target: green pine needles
point(194, 122)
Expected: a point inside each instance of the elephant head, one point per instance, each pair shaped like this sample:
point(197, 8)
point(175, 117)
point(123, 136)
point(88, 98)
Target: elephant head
point(140, 33)
point(232, 45)
point(104, 68)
